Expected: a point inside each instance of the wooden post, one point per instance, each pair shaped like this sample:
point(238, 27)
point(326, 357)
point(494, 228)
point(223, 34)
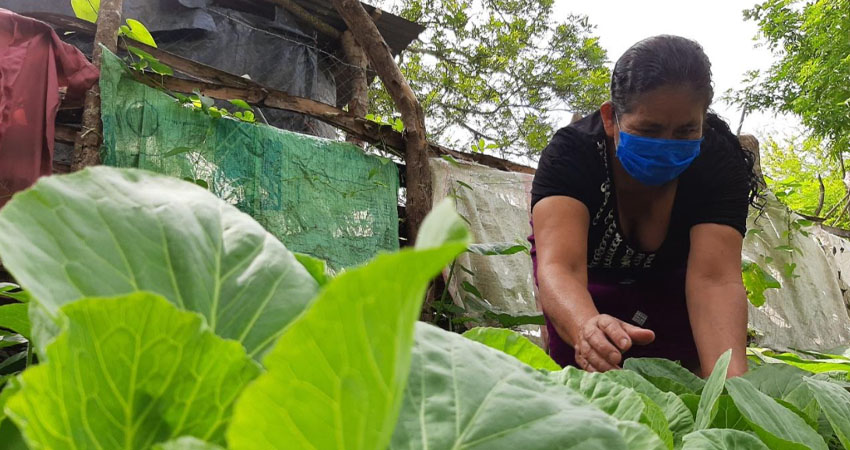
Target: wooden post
point(87, 146)
point(381, 60)
point(358, 81)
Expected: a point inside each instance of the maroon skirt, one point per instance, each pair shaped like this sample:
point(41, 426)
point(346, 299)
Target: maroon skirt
point(652, 298)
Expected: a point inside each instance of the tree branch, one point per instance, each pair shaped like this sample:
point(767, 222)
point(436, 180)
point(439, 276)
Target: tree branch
point(381, 60)
point(87, 146)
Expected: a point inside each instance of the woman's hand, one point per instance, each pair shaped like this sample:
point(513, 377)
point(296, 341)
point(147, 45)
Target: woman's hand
point(602, 340)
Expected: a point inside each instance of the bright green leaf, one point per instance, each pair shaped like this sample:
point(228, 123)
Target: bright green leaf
point(757, 280)
point(15, 317)
point(86, 9)
point(498, 248)
point(513, 344)
point(241, 104)
point(775, 425)
point(335, 378)
point(712, 390)
point(187, 443)
point(316, 267)
point(105, 232)
point(129, 372)
point(443, 224)
point(136, 31)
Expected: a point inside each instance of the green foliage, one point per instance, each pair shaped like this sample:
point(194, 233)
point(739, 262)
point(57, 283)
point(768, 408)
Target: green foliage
point(712, 390)
point(792, 167)
point(756, 281)
point(350, 369)
point(513, 344)
point(492, 74)
point(189, 247)
point(152, 371)
point(809, 76)
point(86, 9)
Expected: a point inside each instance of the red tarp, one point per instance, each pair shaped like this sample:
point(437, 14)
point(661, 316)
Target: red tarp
point(34, 64)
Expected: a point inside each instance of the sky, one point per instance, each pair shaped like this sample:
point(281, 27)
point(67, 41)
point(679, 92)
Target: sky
point(718, 25)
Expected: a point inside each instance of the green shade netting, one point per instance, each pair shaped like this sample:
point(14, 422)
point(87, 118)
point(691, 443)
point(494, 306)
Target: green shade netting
point(324, 198)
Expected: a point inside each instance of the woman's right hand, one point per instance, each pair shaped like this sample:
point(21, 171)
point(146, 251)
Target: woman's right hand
point(602, 340)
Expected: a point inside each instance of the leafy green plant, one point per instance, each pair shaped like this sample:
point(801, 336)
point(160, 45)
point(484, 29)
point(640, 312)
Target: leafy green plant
point(169, 320)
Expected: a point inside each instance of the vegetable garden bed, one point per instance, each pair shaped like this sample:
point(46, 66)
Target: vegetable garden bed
point(162, 317)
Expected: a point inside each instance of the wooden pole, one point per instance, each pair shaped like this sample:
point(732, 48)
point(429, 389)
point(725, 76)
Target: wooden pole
point(87, 146)
point(366, 34)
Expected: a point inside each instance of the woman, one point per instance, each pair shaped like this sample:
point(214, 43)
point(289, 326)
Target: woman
point(639, 212)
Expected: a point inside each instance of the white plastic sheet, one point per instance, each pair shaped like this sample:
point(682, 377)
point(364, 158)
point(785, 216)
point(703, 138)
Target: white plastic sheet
point(808, 311)
point(496, 204)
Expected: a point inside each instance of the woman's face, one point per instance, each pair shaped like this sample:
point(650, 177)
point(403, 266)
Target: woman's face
point(670, 112)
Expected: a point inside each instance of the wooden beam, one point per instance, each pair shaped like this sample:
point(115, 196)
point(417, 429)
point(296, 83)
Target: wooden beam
point(87, 146)
point(301, 13)
point(219, 84)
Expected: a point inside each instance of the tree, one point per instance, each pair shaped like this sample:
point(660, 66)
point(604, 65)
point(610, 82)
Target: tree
point(805, 177)
point(494, 74)
point(811, 76)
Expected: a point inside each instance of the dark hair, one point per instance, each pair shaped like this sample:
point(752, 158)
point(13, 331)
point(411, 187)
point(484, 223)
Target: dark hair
point(658, 61)
point(667, 60)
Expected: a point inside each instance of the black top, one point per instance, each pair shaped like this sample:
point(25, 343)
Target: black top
point(714, 189)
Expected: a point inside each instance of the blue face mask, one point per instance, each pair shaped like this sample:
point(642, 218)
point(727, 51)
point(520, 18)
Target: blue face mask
point(654, 161)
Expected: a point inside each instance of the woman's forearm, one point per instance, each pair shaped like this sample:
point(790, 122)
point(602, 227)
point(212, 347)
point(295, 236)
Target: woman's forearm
point(718, 315)
point(565, 300)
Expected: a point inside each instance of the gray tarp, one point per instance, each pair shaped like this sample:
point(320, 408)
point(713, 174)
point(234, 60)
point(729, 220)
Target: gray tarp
point(272, 50)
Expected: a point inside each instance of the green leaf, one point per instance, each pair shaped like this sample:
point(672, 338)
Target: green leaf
point(498, 248)
point(512, 320)
point(242, 104)
point(712, 390)
point(451, 160)
point(720, 439)
point(469, 287)
point(129, 372)
point(756, 280)
point(678, 416)
point(727, 415)
point(461, 183)
point(86, 9)
point(834, 400)
point(785, 382)
point(177, 151)
point(513, 344)
point(618, 401)
point(465, 395)
point(786, 248)
point(317, 268)
point(13, 291)
point(105, 232)
point(11, 437)
point(775, 425)
point(136, 31)
point(10, 387)
point(666, 375)
point(14, 317)
point(187, 443)
point(443, 224)
point(335, 378)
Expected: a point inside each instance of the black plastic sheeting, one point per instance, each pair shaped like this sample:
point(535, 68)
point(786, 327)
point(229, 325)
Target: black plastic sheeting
point(265, 44)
